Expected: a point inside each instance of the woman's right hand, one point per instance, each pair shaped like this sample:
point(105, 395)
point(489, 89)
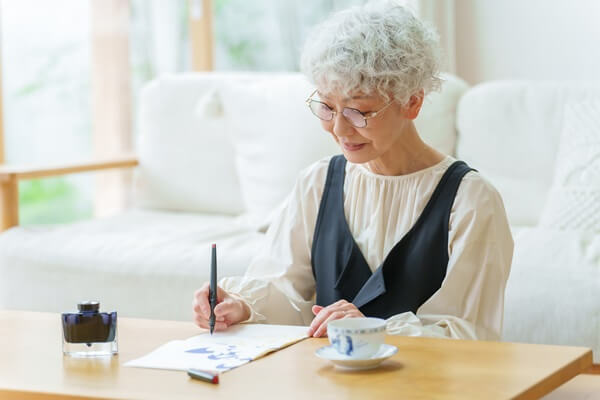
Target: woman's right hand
point(228, 311)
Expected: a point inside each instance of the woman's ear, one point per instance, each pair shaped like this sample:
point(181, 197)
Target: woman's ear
point(412, 109)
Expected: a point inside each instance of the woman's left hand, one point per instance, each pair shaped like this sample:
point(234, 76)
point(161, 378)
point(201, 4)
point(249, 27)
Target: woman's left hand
point(338, 310)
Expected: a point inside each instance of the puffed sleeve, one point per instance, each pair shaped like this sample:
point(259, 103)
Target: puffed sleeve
point(470, 302)
point(279, 285)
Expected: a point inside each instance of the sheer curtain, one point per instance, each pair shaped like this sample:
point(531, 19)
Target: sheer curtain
point(441, 14)
point(296, 17)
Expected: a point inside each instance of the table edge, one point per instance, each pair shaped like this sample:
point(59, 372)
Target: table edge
point(565, 374)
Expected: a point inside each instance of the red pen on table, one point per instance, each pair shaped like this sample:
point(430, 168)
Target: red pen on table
point(206, 376)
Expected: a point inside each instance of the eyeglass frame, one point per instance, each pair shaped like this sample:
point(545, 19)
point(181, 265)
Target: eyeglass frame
point(365, 116)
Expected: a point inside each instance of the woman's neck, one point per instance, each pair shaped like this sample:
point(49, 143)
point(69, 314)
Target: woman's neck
point(409, 154)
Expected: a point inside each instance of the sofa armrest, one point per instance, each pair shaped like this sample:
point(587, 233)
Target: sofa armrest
point(10, 176)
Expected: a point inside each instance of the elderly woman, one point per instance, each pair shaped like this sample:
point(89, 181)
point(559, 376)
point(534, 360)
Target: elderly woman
point(392, 228)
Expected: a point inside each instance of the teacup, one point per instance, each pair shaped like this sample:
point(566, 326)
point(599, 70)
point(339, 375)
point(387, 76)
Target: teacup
point(356, 337)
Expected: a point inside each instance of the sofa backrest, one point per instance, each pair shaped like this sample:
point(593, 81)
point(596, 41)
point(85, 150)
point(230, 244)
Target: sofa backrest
point(509, 131)
point(186, 161)
point(188, 157)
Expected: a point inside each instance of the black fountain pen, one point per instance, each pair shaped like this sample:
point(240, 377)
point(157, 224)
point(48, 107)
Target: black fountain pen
point(213, 288)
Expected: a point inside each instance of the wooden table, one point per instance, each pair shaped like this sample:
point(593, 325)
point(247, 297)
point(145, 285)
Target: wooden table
point(582, 387)
point(32, 366)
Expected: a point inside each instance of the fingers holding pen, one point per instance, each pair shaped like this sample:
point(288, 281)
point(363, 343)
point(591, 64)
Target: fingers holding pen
point(201, 306)
point(228, 311)
point(221, 294)
point(223, 309)
point(201, 303)
point(203, 323)
point(232, 310)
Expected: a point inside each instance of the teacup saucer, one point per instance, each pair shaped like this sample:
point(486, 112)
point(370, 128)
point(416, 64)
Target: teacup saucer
point(342, 361)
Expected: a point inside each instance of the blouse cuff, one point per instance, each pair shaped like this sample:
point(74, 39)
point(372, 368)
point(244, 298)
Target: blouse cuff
point(435, 326)
point(408, 324)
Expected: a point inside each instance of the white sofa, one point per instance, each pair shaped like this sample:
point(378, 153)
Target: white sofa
point(511, 131)
point(219, 151)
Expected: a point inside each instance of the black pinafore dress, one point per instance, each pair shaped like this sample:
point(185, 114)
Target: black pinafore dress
point(412, 271)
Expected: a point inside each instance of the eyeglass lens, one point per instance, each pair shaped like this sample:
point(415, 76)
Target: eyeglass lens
point(354, 117)
point(325, 113)
point(321, 110)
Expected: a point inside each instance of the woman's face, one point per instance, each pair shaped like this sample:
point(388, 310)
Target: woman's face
point(382, 132)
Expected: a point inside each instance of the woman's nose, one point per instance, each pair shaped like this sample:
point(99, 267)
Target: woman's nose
point(341, 126)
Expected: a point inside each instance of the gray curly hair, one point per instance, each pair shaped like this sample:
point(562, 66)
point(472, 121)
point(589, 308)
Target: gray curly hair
point(378, 48)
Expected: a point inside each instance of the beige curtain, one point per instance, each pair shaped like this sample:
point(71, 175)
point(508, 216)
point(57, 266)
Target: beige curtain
point(440, 13)
point(111, 101)
point(1, 106)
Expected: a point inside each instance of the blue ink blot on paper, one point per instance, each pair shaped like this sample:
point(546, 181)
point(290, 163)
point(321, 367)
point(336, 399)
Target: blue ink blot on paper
point(200, 350)
point(229, 355)
point(222, 356)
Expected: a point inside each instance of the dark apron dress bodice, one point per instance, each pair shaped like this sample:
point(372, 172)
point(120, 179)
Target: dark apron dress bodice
point(412, 271)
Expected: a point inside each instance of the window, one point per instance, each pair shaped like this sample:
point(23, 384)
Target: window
point(55, 56)
point(46, 85)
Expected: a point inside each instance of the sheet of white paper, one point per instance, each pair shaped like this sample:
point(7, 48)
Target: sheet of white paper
point(223, 350)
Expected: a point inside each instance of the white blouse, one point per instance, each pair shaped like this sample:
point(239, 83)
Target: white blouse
point(279, 285)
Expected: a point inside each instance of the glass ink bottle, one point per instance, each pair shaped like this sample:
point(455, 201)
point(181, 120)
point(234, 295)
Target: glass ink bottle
point(89, 332)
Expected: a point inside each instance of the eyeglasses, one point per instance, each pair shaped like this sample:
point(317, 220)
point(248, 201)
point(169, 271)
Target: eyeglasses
point(356, 117)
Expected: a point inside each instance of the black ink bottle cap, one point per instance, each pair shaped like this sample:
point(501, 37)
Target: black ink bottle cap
point(88, 306)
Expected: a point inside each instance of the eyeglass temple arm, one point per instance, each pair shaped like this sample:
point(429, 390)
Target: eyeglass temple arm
point(374, 113)
point(309, 98)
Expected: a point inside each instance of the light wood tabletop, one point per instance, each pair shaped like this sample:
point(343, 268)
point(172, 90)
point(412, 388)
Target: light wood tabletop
point(32, 366)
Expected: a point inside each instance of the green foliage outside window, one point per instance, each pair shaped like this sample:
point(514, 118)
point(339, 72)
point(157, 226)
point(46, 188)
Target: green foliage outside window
point(243, 49)
point(54, 200)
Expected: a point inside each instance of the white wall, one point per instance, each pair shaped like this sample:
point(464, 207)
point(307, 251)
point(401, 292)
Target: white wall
point(527, 39)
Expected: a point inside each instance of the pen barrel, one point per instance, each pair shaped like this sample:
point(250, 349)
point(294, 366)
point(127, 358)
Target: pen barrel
point(211, 322)
point(213, 286)
point(213, 272)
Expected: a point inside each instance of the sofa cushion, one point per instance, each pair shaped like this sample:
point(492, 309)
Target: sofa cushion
point(140, 263)
point(509, 131)
point(552, 292)
point(574, 200)
point(186, 160)
point(436, 122)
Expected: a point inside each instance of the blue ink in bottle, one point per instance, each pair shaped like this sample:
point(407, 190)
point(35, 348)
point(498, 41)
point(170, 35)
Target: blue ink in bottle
point(89, 332)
